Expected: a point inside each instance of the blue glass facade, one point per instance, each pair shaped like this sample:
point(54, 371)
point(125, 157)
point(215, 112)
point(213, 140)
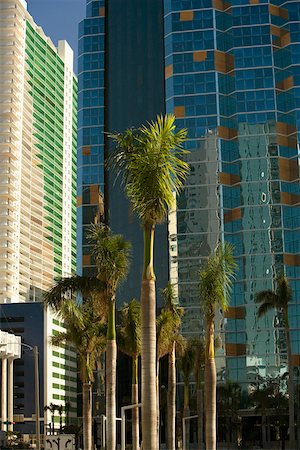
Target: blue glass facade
point(231, 72)
point(90, 154)
point(121, 64)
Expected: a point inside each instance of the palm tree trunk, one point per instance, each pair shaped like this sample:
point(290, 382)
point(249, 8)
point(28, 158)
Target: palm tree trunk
point(290, 384)
point(200, 416)
point(186, 412)
point(111, 362)
point(157, 406)
point(87, 415)
point(171, 421)
point(148, 332)
point(135, 400)
point(210, 389)
point(264, 429)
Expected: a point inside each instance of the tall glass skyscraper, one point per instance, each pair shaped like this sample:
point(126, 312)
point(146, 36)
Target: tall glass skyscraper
point(232, 79)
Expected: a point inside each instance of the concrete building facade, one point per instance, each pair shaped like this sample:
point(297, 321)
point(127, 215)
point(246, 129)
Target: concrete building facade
point(38, 134)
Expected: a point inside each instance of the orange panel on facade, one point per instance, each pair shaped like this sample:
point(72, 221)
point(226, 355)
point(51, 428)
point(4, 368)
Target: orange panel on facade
point(221, 5)
point(291, 259)
point(287, 141)
point(278, 11)
point(285, 128)
point(179, 111)
point(78, 201)
point(229, 179)
point(295, 360)
point(276, 31)
point(227, 133)
point(235, 349)
point(101, 12)
point(288, 169)
point(186, 15)
point(94, 194)
point(169, 71)
point(200, 56)
point(234, 214)
point(235, 312)
point(289, 199)
point(285, 39)
point(224, 62)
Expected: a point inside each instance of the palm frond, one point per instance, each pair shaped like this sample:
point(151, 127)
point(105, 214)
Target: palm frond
point(186, 360)
point(278, 299)
point(67, 287)
point(198, 344)
point(180, 344)
point(283, 291)
point(216, 278)
point(84, 331)
point(152, 166)
point(129, 333)
point(59, 339)
point(112, 255)
point(167, 326)
point(264, 308)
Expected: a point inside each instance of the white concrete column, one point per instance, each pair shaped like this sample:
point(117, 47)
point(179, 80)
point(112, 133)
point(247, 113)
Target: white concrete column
point(4, 394)
point(10, 393)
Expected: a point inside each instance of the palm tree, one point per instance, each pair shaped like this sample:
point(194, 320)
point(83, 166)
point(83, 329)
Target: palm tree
point(186, 363)
point(129, 340)
point(167, 332)
point(86, 333)
point(111, 254)
point(67, 411)
point(279, 300)
point(60, 409)
point(198, 344)
point(216, 278)
point(229, 397)
point(167, 339)
point(51, 408)
point(150, 161)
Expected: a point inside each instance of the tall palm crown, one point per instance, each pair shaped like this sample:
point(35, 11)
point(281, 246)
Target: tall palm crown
point(112, 254)
point(279, 299)
point(129, 335)
point(168, 323)
point(87, 287)
point(186, 360)
point(149, 159)
point(85, 331)
point(216, 279)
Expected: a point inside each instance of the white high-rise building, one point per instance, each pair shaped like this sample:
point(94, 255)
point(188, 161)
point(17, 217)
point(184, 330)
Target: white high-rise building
point(38, 130)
